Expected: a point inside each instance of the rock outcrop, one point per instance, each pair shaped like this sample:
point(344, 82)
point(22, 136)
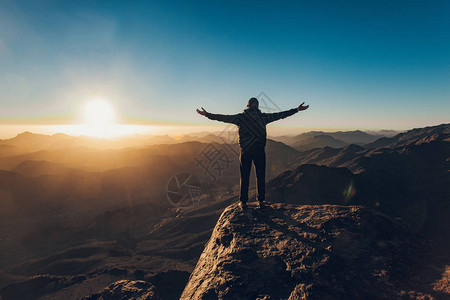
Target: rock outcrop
point(127, 289)
point(303, 252)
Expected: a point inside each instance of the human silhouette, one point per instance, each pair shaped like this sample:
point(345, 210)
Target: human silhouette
point(252, 141)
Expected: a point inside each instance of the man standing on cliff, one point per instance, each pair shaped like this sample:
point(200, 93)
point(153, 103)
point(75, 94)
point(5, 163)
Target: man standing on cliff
point(252, 141)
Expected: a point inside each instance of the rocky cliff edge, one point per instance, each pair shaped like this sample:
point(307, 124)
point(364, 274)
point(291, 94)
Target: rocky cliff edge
point(305, 252)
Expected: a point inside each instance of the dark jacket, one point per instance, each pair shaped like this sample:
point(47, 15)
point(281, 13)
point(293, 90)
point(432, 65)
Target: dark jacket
point(252, 124)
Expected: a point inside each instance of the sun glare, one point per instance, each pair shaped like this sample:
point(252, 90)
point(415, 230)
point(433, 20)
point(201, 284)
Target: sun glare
point(99, 119)
point(99, 113)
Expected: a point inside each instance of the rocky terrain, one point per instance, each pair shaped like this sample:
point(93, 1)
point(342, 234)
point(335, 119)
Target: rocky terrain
point(408, 178)
point(87, 222)
point(308, 252)
point(127, 289)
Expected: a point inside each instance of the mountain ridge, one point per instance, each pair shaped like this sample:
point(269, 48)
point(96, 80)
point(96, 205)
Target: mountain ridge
point(116, 224)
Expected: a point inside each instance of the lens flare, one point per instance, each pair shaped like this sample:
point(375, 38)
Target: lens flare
point(349, 192)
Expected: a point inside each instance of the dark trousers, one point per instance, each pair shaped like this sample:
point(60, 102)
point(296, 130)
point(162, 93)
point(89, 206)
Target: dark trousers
point(257, 155)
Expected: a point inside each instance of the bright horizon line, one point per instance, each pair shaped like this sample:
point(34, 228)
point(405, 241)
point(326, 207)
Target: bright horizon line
point(8, 131)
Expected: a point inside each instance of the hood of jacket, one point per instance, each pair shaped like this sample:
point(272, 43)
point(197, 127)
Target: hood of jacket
point(252, 110)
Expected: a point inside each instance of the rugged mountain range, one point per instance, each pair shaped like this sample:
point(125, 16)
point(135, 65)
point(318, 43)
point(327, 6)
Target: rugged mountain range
point(31, 142)
point(319, 139)
point(76, 220)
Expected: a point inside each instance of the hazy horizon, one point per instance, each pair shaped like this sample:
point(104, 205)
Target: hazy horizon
point(11, 131)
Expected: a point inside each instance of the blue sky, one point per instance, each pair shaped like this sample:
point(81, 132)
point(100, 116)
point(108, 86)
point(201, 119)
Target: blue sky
point(359, 64)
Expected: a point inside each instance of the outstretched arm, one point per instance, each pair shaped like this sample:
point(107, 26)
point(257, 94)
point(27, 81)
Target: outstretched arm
point(218, 117)
point(301, 107)
point(284, 114)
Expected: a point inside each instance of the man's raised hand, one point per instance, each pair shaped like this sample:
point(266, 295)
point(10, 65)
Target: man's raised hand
point(202, 112)
point(301, 107)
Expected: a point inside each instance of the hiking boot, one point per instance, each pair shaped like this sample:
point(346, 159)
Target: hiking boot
point(242, 205)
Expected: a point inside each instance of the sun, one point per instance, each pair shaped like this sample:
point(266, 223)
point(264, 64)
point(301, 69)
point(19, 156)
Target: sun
point(99, 113)
point(99, 119)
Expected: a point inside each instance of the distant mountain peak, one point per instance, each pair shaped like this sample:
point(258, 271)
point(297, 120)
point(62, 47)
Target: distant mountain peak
point(25, 133)
point(414, 136)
